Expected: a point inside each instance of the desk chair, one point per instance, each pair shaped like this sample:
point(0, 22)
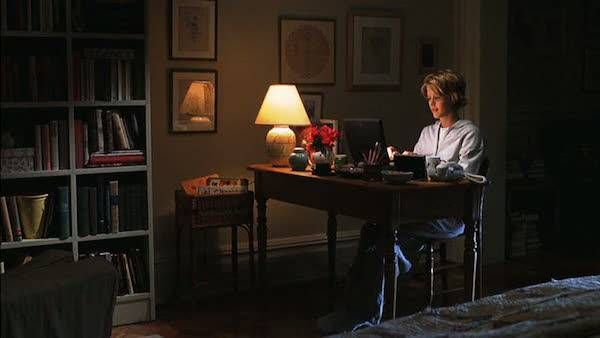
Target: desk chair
point(437, 247)
point(203, 212)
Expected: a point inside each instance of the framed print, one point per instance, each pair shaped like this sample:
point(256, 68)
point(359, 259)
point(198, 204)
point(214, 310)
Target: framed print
point(307, 51)
point(374, 50)
point(427, 55)
point(334, 125)
point(193, 100)
point(591, 70)
point(194, 29)
point(313, 104)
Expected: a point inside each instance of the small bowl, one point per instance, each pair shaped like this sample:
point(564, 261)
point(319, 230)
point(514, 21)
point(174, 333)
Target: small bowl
point(349, 171)
point(396, 177)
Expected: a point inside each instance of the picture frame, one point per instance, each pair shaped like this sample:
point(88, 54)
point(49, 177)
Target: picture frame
point(374, 50)
point(427, 55)
point(591, 66)
point(306, 51)
point(332, 124)
point(193, 100)
point(313, 104)
point(193, 29)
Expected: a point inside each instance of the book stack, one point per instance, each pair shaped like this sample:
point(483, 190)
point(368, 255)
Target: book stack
point(35, 216)
point(131, 269)
point(107, 74)
point(108, 138)
point(111, 206)
point(32, 78)
point(32, 15)
point(51, 148)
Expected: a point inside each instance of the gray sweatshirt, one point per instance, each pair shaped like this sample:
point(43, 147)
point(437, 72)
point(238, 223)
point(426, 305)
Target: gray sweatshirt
point(459, 143)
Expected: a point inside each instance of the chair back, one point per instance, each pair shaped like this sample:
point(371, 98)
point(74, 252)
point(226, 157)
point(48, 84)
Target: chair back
point(483, 168)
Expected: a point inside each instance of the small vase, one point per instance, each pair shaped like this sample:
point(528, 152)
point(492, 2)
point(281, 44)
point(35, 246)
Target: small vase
point(31, 211)
point(298, 159)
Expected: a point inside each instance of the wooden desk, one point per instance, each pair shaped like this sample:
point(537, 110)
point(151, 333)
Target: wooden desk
point(375, 201)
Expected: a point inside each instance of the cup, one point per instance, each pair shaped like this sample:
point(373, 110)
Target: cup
point(339, 161)
point(431, 164)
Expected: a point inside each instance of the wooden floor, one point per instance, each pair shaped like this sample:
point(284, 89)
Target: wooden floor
point(291, 311)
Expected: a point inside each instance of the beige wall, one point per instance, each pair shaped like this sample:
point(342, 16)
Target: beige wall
point(247, 62)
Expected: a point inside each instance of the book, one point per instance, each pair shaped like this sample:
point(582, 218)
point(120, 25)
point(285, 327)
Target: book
point(15, 220)
point(114, 205)
point(8, 234)
point(100, 214)
point(128, 279)
point(54, 146)
point(93, 210)
point(62, 213)
point(115, 159)
point(83, 215)
point(46, 145)
point(38, 147)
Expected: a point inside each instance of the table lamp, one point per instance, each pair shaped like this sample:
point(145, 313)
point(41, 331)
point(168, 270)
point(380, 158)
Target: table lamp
point(197, 101)
point(281, 108)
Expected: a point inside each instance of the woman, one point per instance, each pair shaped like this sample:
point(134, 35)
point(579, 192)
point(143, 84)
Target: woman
point(451, 139)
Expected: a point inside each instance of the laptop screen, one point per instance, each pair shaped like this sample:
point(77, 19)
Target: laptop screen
point(361, 135)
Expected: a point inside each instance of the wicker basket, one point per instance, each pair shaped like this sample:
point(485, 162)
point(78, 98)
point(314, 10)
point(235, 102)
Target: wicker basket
point(214, 210)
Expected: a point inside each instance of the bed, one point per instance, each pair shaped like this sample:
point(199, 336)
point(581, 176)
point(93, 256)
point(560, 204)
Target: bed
point(559, 308)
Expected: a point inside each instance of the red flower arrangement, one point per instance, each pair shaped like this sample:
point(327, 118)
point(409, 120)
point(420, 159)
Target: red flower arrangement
point(319, 137)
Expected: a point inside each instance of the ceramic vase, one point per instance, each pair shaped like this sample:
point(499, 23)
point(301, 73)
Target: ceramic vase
point(31, 212)
point(298, 159)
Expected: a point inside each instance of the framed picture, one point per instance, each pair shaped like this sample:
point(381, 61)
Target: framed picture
point(427, 55)
point(194, 29)
point(332, 124)
point(374, 49)
point(313, 104)
point(307, 51)
point(193, 100)
point(591, 70)
point(592, 18)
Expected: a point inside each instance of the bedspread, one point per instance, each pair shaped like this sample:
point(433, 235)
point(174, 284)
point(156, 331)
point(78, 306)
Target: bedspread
point(568, 307)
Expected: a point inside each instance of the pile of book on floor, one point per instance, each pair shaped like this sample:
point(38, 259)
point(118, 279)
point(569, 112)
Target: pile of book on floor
point(108, 138)
point(524, 234)
point(111, 206)
point(35, 216)
point(131, 269)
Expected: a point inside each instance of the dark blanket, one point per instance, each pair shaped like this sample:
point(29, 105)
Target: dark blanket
point(53, 296)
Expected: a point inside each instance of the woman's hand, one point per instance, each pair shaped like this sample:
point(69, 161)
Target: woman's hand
point(391, 151)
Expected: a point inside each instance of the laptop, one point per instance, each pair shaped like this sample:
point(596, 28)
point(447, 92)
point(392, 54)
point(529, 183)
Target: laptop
point(361, 135)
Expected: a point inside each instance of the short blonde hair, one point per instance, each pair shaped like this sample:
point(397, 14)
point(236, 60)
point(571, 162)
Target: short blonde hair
point(449, 84)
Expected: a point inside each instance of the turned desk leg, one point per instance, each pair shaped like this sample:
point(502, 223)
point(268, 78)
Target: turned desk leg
point(261, 234)
point(331, 247)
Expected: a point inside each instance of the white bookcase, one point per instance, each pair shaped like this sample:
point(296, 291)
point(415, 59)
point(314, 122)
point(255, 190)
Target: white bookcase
point(65, 41)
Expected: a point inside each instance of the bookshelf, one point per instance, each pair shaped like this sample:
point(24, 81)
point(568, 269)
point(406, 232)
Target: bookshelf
point(50, 44)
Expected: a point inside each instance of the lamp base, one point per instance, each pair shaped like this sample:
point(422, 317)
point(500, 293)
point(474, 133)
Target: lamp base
point(281, 141)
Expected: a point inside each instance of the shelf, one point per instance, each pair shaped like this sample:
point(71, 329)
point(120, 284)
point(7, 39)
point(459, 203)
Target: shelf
point(133, 298)
point(140, 103)
point(34, 242)
point(33, 34)
point(35, 174)
point(107, 170)
point(108, 36)
point(124, 234)
point(47, 104)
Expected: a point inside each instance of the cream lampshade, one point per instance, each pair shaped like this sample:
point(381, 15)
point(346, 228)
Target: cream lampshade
point(281, 108)
point(197, 101)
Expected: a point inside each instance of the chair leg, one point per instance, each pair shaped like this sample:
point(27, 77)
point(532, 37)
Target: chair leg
point(430, 265)
point(250, 229)
point(444, 260)
point(234, 257)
